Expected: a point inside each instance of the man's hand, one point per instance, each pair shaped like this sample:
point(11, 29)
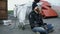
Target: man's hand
point(37, 9)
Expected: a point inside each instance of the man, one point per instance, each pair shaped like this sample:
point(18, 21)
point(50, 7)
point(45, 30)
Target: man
point(35, 19)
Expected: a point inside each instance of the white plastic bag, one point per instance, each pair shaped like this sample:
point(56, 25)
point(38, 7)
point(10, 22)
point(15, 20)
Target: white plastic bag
point(22, 11)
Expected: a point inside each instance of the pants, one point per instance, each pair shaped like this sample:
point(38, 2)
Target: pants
point(49, 26)
point(42, 30)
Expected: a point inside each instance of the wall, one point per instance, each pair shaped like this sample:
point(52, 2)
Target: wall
point(11, 3)
point(55, 4)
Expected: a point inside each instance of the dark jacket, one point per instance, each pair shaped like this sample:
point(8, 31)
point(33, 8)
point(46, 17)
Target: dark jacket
point(35, 19)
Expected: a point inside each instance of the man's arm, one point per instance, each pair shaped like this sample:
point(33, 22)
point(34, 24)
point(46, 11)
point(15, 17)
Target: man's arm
point(36, 9)
point(31, 20)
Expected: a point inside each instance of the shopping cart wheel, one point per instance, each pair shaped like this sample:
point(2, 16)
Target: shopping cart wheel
point(23, 28)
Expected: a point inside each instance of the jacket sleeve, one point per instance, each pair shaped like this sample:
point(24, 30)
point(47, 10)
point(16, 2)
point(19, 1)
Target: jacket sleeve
point(31, 20)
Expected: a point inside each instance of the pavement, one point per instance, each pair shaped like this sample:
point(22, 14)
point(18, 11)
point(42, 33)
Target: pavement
point(13, 28)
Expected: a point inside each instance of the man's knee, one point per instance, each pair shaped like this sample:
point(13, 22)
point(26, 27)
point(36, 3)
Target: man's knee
point(39, 29)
